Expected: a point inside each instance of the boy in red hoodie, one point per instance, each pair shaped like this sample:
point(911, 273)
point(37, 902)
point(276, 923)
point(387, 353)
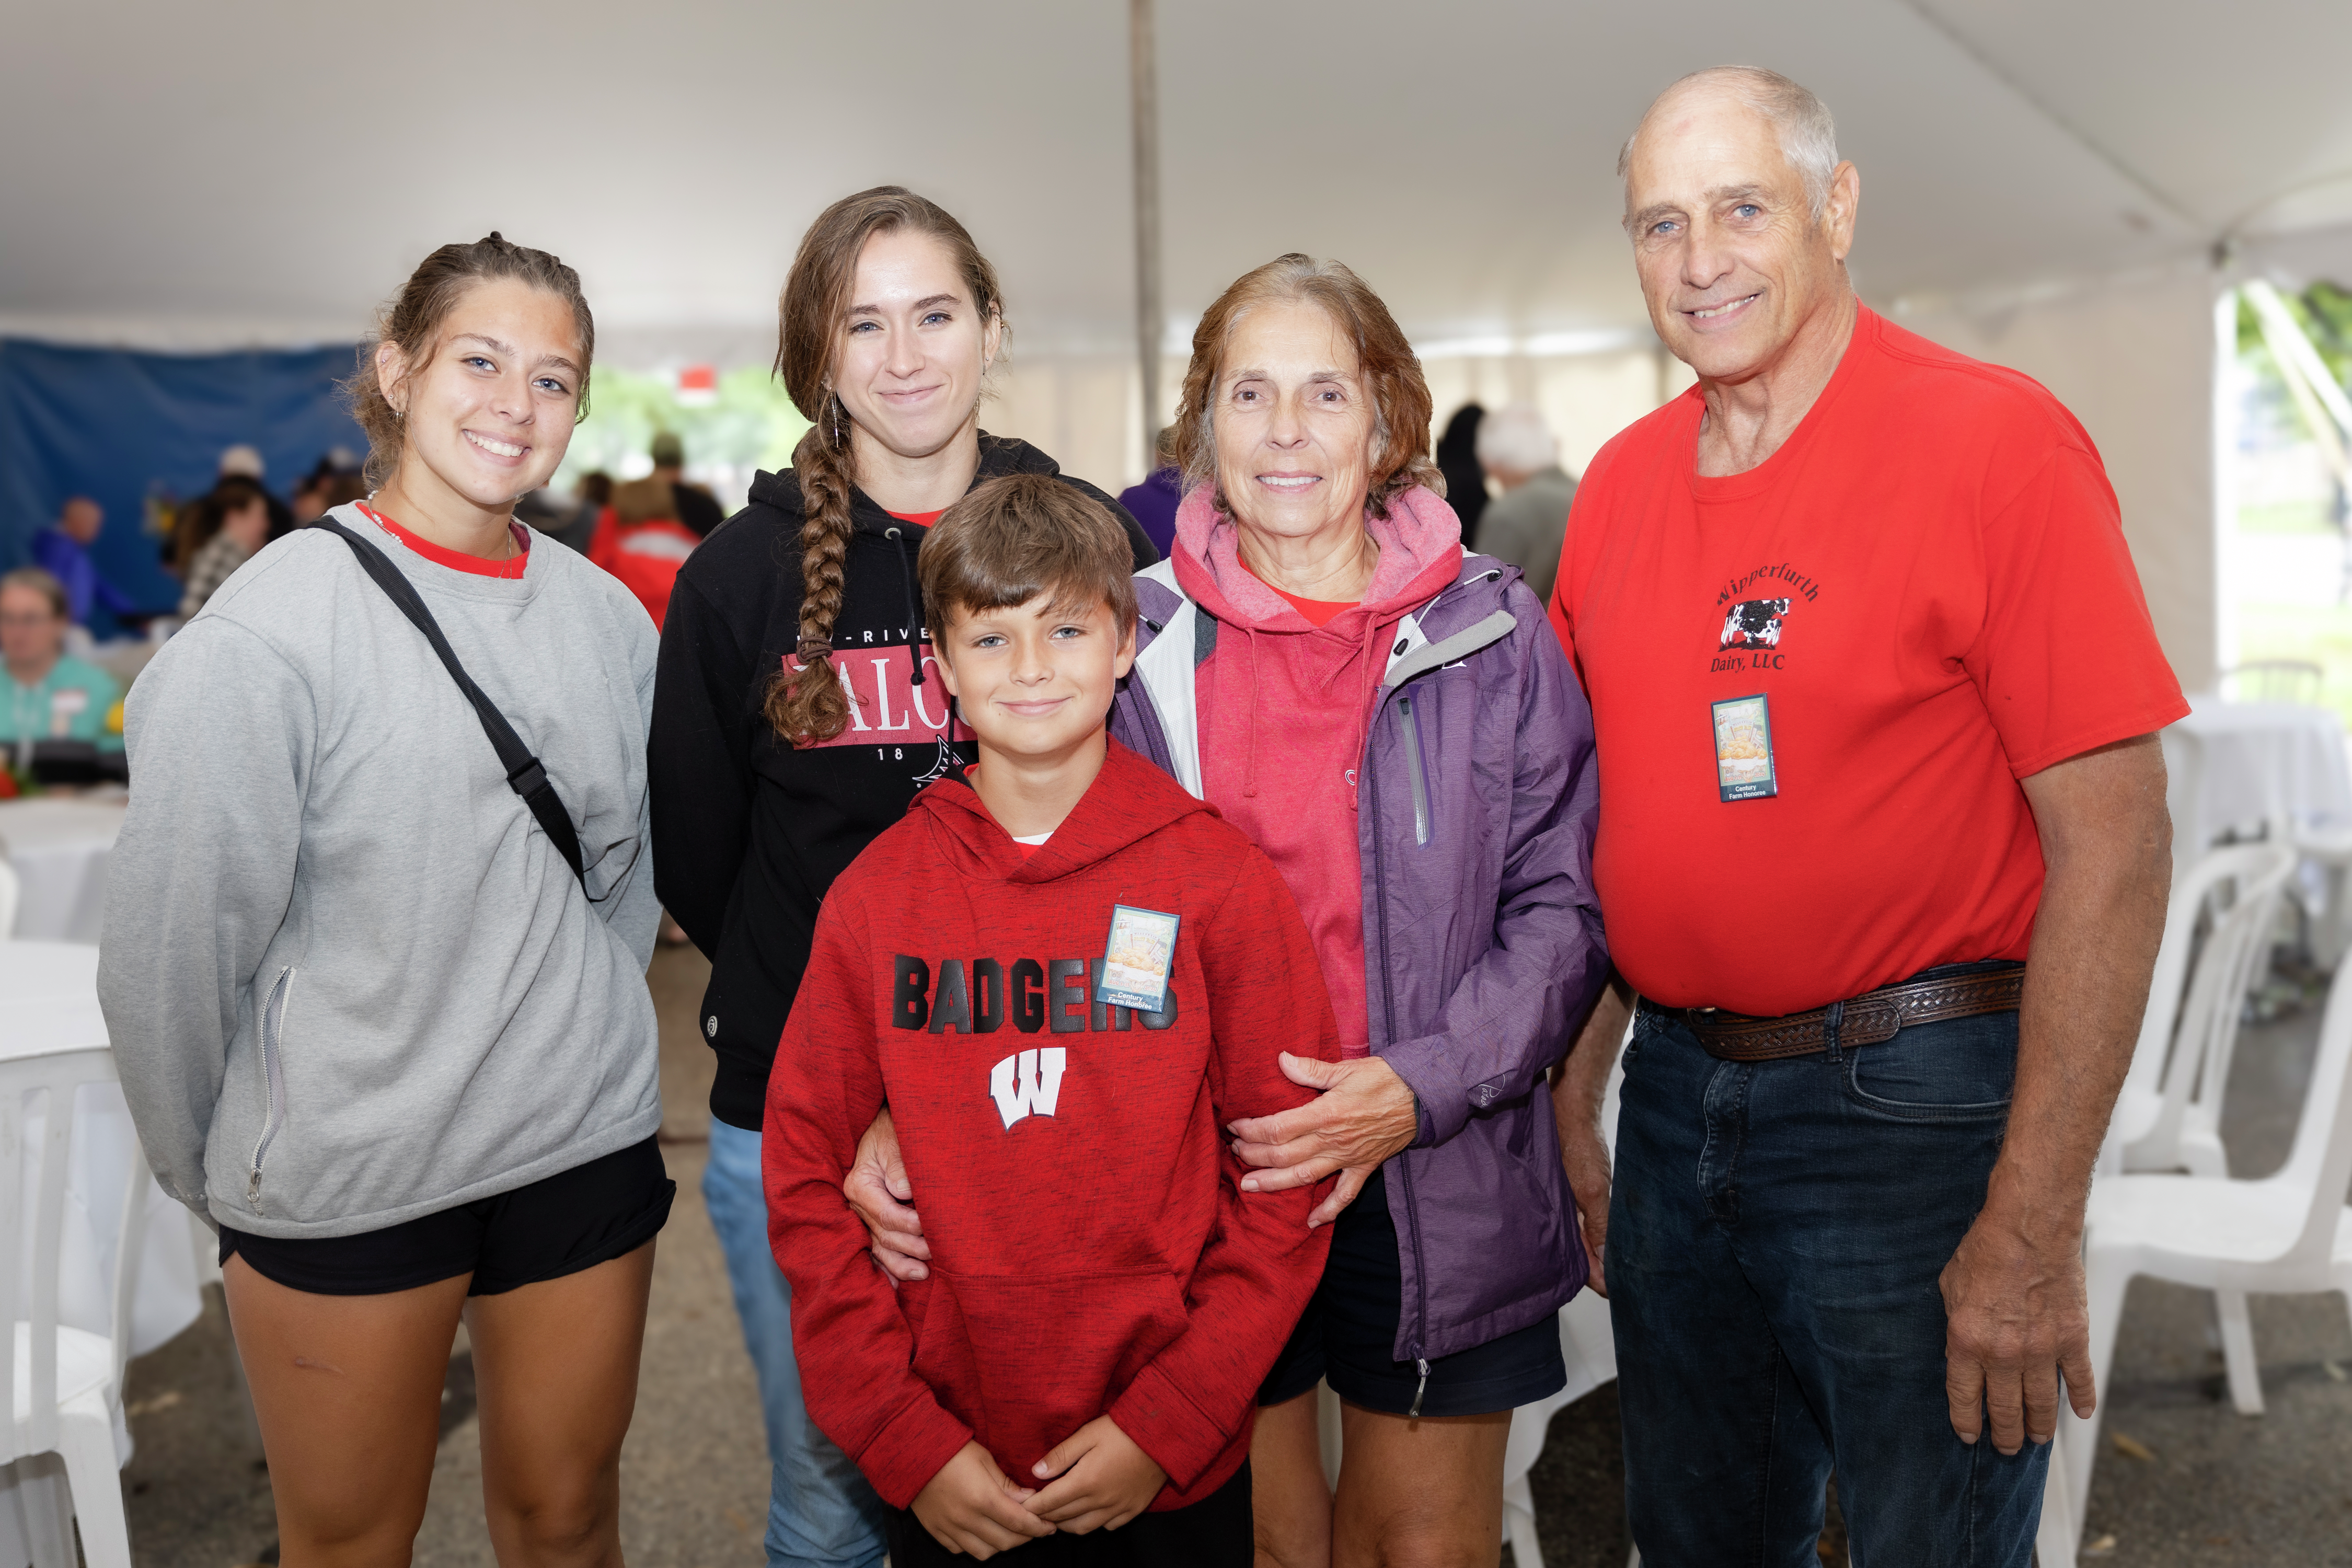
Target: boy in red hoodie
point(1101, 1304)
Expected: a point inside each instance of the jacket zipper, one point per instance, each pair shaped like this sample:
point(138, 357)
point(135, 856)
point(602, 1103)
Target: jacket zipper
point(273, 1076)
point(1387, 1024)
point(1412, 767)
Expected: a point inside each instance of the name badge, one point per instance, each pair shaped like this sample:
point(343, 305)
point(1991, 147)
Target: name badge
point(1137, 959)
point(1743, 749)
point(64, 703)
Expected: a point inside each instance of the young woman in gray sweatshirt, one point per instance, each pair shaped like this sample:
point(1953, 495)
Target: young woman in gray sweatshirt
point(371, 1026)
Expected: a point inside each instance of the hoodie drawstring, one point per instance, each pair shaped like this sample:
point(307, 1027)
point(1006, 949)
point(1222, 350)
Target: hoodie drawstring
point(914, 610)
point(1374, 668)
point(1249, 756)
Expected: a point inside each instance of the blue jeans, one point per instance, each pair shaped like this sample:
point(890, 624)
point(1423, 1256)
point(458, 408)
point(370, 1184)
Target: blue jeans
point(820, 1509)
point(1775, 1238)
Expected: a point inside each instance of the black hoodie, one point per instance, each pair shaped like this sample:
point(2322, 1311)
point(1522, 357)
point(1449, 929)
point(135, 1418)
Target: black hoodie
point(749, 832)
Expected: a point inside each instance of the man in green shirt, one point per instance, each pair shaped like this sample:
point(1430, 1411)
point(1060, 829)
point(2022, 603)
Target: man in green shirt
point(49, 696)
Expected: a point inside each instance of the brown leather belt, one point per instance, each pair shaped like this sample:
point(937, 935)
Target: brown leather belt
point(1866, 1020)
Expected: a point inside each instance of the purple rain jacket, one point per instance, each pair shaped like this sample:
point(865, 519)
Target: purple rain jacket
point(1483, 946)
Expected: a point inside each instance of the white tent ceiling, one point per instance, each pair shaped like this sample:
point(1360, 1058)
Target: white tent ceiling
point(248, 172)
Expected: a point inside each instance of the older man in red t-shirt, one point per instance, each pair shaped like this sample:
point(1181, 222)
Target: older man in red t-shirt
point(1883, 853)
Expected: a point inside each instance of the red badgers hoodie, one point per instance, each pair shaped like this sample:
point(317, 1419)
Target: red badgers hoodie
point(1091, 1251)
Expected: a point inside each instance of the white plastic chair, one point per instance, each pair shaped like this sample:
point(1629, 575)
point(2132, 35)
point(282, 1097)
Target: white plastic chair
point(2288, 1233)
point(2291, 680)
point(10, 888)
point(1589, 1345)
point(1590, 1348)
point(2168, 1115)
point(63, 1386)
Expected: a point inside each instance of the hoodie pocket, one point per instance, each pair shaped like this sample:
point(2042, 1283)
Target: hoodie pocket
point(1026, 1361)
point(273, 1079)
point(1411, 729)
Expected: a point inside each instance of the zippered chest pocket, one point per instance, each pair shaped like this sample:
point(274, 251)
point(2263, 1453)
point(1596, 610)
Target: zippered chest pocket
point(273, 1079)
point(1410, 724)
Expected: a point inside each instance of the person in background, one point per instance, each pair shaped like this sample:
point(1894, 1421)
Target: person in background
point(52, 696)
point(640, 540)
point(1524, 525)
point(238, 528)
point(568, 519)
point(691, 505)
point(62, 550)
point(1883, 854)
point(199, 521)
point(798, 708)
point(243, 461)
point(1457, 460)
point(336, 482)
point(1153, 502)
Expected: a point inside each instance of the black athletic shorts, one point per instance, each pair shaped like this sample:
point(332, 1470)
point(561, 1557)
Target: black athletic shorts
point(1214, 1532)
point(557, 1226)
point(1349, 1330)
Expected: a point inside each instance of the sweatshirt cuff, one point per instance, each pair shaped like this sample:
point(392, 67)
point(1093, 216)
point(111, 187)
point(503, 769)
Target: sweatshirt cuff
point(911, 1448)
point(1444, 1107)
point(1161, 1420)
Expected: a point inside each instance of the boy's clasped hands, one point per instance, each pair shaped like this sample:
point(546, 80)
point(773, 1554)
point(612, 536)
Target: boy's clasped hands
point(1096, 1479)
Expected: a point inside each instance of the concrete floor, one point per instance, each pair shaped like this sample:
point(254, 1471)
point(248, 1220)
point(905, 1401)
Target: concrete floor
point(2219, 1489)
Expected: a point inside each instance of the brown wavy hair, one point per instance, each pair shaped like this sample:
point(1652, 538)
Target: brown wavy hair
point(1384, 357)
point(413, 318)
point(807, 706)
point(1019, 536)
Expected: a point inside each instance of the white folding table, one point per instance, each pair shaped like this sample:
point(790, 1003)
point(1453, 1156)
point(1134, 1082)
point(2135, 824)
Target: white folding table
point(59, 846)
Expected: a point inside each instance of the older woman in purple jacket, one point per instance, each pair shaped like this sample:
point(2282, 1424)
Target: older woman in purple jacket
point(1393, 721)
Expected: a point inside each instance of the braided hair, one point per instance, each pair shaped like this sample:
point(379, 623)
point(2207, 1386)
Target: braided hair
point(807, 706)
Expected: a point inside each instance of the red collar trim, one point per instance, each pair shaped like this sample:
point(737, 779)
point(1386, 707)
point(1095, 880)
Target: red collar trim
point(457, 559)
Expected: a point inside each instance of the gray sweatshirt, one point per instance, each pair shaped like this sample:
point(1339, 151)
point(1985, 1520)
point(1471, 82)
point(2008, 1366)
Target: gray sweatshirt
point(348, 979)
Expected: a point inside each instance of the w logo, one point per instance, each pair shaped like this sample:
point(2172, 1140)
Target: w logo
point(1028, 1084)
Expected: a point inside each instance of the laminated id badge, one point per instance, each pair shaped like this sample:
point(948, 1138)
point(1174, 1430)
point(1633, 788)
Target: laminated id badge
point(1743, 749)
point(1137, 959)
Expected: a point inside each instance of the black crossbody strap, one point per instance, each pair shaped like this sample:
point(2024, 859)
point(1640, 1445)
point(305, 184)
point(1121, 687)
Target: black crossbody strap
point(526, 775)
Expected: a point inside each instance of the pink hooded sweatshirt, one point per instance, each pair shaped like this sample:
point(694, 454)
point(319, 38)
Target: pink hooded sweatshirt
point(1285, 706)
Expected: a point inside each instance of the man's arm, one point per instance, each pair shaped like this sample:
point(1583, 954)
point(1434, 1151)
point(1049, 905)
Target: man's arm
point(2013, 1292)
point(1576, 1107)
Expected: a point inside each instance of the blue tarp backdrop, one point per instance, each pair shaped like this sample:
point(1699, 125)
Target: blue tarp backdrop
point(120, 427)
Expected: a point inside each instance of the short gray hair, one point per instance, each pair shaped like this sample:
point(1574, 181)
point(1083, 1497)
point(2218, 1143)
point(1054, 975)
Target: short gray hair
point(1515, 437)
point(43, 583)
point(1800, 122)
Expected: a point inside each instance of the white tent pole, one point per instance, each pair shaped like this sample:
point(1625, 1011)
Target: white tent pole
point(1149, 318)
point(2316, 393)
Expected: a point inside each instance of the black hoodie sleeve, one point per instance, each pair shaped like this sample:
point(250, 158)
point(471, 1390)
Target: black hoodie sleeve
point(699, 765)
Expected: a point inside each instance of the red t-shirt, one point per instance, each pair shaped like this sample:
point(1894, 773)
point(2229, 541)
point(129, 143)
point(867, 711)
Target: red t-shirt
point(1318, 612)
point(457, 559)
point(921, 519)
point(1929, 586)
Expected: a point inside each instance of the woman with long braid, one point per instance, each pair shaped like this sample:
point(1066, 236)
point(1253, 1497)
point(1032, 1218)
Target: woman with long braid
point(798, 709)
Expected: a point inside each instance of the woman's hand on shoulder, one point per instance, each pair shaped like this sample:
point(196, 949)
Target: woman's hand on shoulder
point(971, 1507)
point(878, 1191)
